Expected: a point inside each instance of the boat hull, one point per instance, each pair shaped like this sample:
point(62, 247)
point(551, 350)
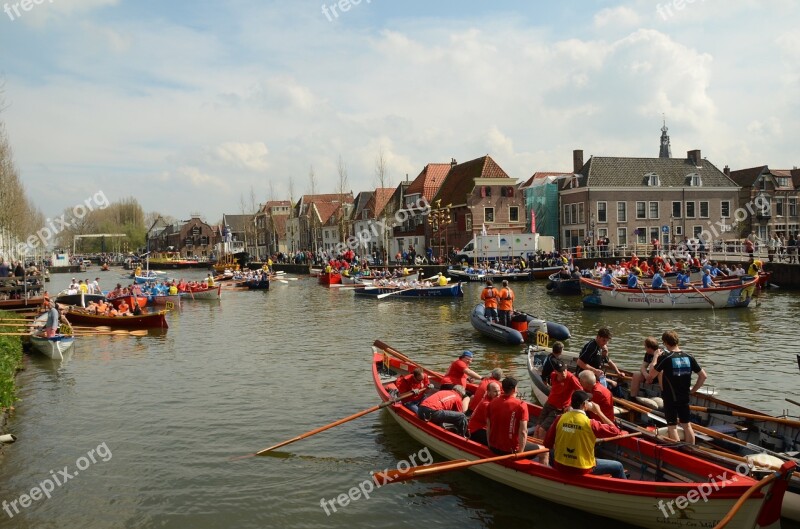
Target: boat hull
point(210, 293)
point(162, 300)
point(129, 301)
point(528, 325)
point(75, 299)
point(55, 347)
point(155, 320)
point(449, 291)
point(729, 296)
point(329, 278)
point(559, 285)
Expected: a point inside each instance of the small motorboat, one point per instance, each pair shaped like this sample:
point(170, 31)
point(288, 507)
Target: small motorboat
point(524, 327)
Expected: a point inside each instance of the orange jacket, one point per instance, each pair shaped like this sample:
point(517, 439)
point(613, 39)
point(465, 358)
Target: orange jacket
point(506, 299)
point(489, 297)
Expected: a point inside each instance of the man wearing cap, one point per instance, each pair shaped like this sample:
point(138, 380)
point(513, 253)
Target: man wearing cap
point(562, 385)
point(495, 376)
point(507, 422)
point(459, 371)
point(446, 406)
point(595, 353)
point(573, 436)
point(489, 297)
point(506, 304)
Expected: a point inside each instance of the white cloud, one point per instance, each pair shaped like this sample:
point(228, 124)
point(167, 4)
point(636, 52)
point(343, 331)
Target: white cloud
point(621, 16)
point(250, 156)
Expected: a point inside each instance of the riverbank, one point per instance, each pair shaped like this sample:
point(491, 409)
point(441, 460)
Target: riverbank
point(10, 365)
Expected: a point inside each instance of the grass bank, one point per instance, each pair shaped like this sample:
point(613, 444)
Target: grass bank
point(10, 363)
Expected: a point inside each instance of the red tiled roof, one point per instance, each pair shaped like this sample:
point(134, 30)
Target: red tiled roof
point(329, 197)
point(541, 175)
point(325, 210)
point(747, 177)
point(460, 179)
point(381, 198)
point(279, 222)
point(429, 180)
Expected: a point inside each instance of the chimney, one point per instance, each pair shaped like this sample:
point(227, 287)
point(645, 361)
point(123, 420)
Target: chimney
point(577, 160)
point(453, 162)
point(694, 157)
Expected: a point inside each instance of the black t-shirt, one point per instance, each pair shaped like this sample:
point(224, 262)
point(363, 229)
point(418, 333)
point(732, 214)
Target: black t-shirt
point(592, 354)
point(677, 367)
point(548, 367)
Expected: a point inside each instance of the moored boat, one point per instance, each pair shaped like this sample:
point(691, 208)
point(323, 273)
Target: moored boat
point(54, 347)
point(662, 475)
point(524, 327)
point(329, 278)
point(163, 299)
point(214, 292)
point(256, 284)
point(153, 320)
point(728, 295)
point(78, 300)
point(562, 285)
point(129, 300)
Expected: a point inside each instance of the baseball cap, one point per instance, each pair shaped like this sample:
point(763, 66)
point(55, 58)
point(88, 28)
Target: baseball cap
point(560, 366)
point(468, 354)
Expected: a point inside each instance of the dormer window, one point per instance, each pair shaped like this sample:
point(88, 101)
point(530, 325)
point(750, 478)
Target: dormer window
point(573, 183)
point(694, 180)
point(651, 179)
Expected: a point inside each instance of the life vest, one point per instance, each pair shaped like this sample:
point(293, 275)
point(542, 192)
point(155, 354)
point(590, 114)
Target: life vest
point(574, 444)
point(489, 296)
point(506, 299)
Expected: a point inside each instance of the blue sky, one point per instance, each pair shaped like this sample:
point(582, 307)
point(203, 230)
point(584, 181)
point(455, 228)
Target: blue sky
point(189, 105)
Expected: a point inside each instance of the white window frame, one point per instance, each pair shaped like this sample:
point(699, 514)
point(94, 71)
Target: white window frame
point(678, 230)
point(581, 218)
point(722, 209)
point(700, 209)
point(780, 211)
point(566, 215)
point(791, 207)
point(510, 209)
point(644, 213)
point(624, 216)
point(697, 230)
point(605, 211)
point(680, 207)
point(624, 240)
point(694, 209)
point(641, 235)
point(650, 209)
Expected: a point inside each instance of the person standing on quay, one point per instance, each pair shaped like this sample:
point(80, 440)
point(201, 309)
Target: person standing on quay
point(677, 367)
point(506, 304)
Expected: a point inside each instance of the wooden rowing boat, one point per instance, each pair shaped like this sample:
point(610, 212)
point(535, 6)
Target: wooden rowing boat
point(154, 320)
point(660, 475)
point(329, 278)
point(129, 300)
point(763, 437)
point(448, 291)
point(734, 294)
point(54, 347)
point(202, 293)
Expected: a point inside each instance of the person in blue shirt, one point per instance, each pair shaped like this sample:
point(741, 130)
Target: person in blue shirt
point(682, 280)
point(633, 281)
point(608, 280)
point(658, 280)
point(707, 281)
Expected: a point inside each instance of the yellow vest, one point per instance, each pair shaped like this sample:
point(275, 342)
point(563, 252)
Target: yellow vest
point(574, 445)
point(173, 290)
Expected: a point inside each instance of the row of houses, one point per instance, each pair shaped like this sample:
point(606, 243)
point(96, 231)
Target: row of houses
point(623, 201)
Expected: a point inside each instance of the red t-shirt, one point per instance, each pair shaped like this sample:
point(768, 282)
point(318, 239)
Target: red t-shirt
point(455, 375)
point(446, 399)
point(480, 393)
point(602, 396)
point(505, 414)
point(477, 420)
point(561, 390)
point(408, 383)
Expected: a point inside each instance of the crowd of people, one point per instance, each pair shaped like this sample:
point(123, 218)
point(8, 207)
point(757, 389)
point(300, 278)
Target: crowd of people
point(579, 408)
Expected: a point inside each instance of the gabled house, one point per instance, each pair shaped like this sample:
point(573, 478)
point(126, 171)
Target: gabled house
point(271, 228)
point(192, 238)
point(635, 200)
point(368, 223)
point(305, 226)
point(772, 196)
point(482, 198)
point(417, 227)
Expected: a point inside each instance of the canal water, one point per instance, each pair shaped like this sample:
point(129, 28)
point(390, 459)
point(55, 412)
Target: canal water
point(145, 427)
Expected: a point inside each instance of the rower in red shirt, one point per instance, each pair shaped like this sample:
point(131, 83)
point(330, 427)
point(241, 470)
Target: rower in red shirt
point(417, 380)
point(477, 421)
point(562, 385)
point(507, 422)
point(459, 371)
point(600, 394)
point(445, 406)
point(495, 376)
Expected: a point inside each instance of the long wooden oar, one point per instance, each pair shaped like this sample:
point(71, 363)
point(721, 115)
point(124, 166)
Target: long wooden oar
point(704, 296)
point(331, 425)
point(400, 356)
point(381, 296)
point(396, 476)
point(765, 418)
point(793, 402)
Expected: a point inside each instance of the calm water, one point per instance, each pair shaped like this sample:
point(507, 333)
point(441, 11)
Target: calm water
point(232, 377)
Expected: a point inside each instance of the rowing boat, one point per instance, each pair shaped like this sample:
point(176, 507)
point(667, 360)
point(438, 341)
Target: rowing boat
point(54, 347)
point(153, 320)
point(757, 436)
point(202, 293)
point(660, 475)
point(448, 291)
point(329, 278)
point(734, 294)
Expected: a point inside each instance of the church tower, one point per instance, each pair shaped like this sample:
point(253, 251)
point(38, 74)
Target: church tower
point(665, 151)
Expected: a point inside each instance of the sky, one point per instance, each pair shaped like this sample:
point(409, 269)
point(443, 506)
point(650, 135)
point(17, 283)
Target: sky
point(189, 105)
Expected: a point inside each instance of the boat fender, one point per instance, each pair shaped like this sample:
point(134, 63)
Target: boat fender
point(663, 432)
point(764, 461)
point(550, 285)
point(650, 403)
point(7, 438)
point(659, 402)
point(556, 331)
